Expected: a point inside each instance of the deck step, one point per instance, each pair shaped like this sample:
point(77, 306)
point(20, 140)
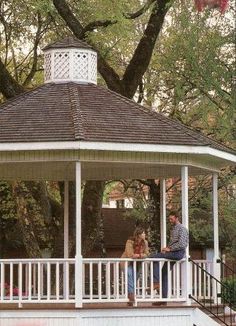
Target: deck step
point(227, 318)
point(219, 311)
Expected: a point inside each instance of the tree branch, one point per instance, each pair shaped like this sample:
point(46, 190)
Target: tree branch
point(70, 19)
point(142, 55)
point(141, 11)
point(97, 23)
point(35, 51)
point(108, 73)
point(8, 86)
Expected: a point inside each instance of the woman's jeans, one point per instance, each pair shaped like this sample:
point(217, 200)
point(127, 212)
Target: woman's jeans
point(173, 255)
point(131, 276)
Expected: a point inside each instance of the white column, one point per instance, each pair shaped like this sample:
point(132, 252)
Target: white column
point(66, 219)
point(216, 266)
point(185, 222)
point(78, 255)
point(215, 215)
point(163, 212)
point(66, 237)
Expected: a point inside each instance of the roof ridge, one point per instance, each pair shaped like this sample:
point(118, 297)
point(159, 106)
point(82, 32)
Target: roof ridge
point(76, 113)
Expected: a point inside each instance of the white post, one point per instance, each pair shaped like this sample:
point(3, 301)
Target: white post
point(216, 266)
point(215, 215)
point(66, 237)
point(163, 212)
point(185, 221)
point(78, 255)
point(66, 219)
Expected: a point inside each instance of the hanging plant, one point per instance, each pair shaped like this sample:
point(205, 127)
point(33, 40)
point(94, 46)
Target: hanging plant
point(211, 4)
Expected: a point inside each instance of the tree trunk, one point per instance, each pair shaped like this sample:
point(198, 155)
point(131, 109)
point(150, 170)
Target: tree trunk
point(24, 220)
point(155, 218)
point(91, 214)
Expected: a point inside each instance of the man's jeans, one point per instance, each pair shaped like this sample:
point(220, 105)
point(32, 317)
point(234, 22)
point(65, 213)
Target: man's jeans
point(173, 255)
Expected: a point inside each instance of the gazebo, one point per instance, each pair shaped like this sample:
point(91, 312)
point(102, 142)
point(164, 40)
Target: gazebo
point(71, 129)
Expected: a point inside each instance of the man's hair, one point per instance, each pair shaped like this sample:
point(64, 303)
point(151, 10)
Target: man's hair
point(174, 213)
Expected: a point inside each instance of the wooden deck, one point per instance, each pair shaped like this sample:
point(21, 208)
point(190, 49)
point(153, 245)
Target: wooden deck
point(70, 306)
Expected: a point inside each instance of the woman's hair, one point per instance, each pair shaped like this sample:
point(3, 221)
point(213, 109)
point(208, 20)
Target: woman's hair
point(137, 232)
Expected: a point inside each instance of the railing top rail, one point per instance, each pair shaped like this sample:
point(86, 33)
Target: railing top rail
point(203, 261)
point(62, 260)
point(128, 259)
point(37, 260)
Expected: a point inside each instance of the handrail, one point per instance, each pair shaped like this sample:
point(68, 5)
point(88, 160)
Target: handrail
point(214, 309)
point(224, 266)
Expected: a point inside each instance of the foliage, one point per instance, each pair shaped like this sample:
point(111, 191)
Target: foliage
point(229, 291)
point(191, 78)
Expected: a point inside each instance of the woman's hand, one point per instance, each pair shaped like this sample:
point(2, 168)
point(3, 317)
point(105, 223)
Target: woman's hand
point(136, 256)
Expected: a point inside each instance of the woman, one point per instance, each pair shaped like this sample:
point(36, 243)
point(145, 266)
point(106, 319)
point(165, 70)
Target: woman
point(136, 247)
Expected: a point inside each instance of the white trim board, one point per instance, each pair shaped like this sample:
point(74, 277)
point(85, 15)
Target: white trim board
point(111, 146)
point(83, 317)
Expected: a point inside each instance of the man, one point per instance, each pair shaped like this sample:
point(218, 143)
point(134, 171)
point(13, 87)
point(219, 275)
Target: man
point(175, 250)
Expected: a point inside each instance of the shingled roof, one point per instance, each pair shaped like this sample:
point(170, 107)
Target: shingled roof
point(71, 111)
point(68, 42)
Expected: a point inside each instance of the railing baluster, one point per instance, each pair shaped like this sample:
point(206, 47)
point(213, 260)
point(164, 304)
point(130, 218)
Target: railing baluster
point(39, 282)
point(122, 283)
point(29, 281)
point(67, 280)
point(169, 280)
point(108, 279)
point(126, 279)
point(20, 282)
point(99, 280)
point(174, 281)
point(151, 279)
point(178, 280)
point(135, 278)
point(199, 282)
point(143, 280)
point(11, 281)
point(117, 280)
point(34, 279)
point(57, 281)
point(2, 281)
point(91, 281)
point(84, 279)
point(160, 277)
point(195, 280)
point(204, 283)
point(48, 281)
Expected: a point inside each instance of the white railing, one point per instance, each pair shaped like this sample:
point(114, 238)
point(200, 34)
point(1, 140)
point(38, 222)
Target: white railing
point(37, 280)
point(104, 280)
point(202, 284)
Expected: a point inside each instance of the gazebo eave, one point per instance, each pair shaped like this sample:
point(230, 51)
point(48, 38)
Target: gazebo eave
point(37, 162)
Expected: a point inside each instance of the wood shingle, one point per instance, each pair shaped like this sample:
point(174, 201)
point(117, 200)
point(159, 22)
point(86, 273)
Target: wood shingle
point(72, 111)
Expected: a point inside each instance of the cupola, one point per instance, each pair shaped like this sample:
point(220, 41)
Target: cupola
point(70, 60)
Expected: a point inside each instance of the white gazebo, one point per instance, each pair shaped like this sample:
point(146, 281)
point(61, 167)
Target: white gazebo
point(71, 129)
